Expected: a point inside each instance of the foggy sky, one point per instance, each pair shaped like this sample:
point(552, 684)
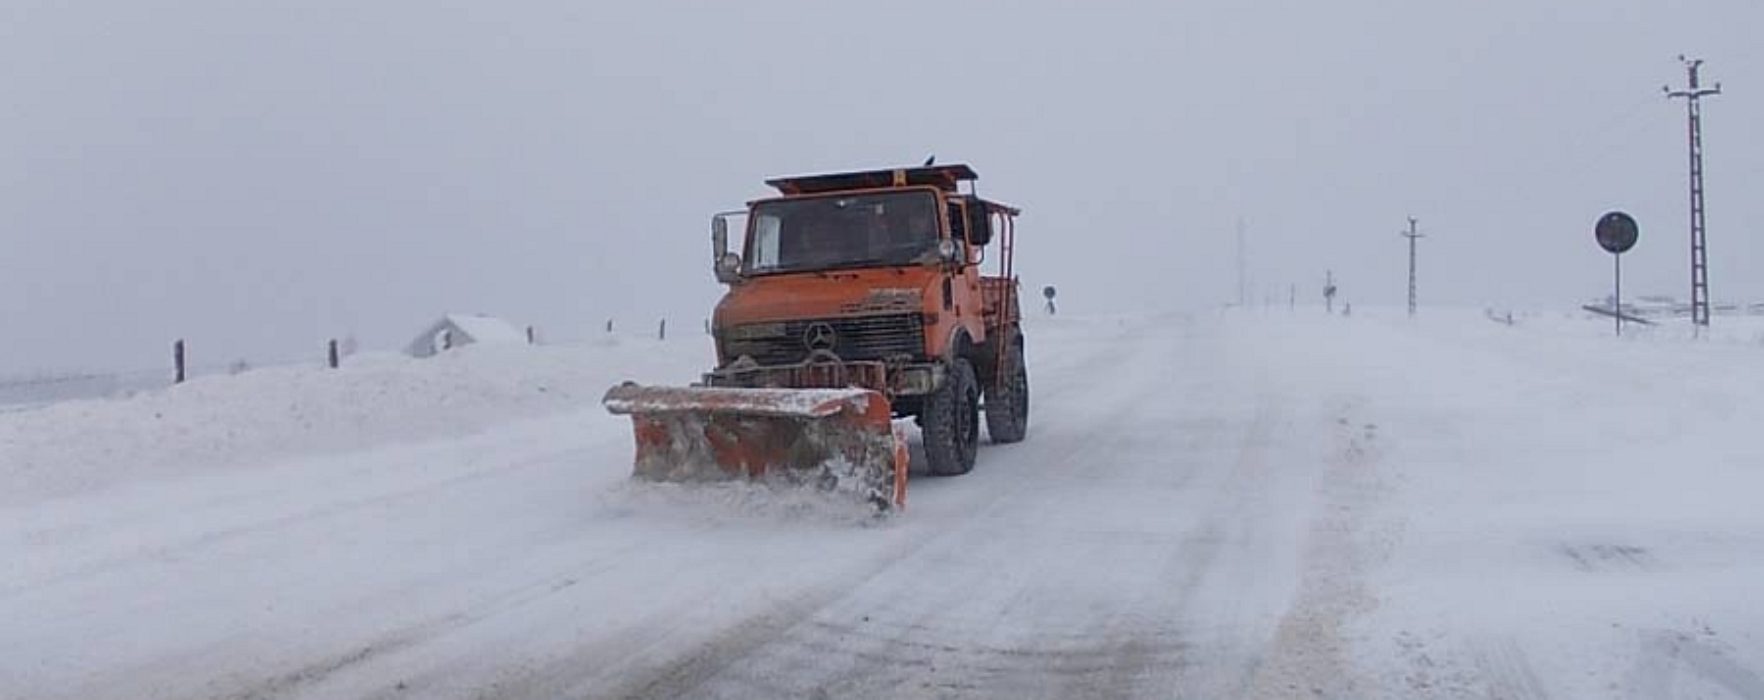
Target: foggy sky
point(260, 176)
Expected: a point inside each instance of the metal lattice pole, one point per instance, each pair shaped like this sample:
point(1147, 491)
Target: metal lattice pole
point(1698, 243)
point(1412, 235)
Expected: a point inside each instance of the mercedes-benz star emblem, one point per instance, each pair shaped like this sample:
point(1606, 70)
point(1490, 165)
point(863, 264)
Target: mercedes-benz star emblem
point(819, 336)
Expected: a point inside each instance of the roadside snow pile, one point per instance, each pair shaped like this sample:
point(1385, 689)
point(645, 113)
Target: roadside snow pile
point(256, 417)
point(1723, 329)
point(1555, 511)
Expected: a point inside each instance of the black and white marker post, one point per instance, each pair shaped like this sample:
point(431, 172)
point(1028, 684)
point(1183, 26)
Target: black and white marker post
point(1616, 233)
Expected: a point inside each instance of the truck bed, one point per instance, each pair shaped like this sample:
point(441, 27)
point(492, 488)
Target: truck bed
point(1000, 293)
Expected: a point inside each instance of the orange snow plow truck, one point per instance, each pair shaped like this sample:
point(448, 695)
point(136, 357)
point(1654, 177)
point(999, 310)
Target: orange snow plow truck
point(855, 299)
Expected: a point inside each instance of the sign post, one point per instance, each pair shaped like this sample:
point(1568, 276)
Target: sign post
point(1616, 233)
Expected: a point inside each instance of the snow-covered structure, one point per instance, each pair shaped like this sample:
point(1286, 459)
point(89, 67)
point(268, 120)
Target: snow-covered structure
point(459, 330)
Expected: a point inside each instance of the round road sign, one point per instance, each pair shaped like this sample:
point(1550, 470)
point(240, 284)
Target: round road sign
point(1048, 291)
point(1616, 232)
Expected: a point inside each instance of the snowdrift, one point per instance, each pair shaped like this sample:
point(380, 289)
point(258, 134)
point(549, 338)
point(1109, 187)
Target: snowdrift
point(273, 414)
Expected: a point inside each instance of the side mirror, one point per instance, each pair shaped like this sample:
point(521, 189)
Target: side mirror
point(726, 264)
point(979, 224)
point(719, 238)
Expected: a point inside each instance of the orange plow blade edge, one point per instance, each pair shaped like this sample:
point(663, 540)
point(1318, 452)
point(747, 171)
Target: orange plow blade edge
point(836, 440)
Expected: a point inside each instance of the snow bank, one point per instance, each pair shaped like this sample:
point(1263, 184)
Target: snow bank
point(1554, 511)
point(266, 415)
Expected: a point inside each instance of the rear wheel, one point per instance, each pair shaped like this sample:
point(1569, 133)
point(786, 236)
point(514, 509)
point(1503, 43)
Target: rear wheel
point(951, 422)
point(1007, 401)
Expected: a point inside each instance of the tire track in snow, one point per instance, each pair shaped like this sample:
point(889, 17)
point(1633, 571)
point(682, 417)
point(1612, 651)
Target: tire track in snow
point(1309, 655)
point(1508, 670)
point(243, 663)
point(1664, 653)
point(302, 679)
point(256, 524)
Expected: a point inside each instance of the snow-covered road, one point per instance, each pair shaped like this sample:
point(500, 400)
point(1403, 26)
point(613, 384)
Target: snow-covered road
point(1216, 506)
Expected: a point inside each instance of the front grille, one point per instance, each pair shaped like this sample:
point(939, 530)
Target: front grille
point(855, 338)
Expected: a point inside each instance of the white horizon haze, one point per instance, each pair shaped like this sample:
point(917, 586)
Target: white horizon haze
point(259, 177)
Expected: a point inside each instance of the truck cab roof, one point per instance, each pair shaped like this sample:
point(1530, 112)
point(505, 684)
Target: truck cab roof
point(943, 177)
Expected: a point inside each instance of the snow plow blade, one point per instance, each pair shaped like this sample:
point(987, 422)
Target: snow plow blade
point(838, 440)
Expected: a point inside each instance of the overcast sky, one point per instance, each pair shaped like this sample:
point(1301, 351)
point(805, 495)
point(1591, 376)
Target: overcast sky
point(260, 176)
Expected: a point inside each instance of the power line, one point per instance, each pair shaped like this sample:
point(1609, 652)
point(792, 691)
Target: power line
point(1693, 96)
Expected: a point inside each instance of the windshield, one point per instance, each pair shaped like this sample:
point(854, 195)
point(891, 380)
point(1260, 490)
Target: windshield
point(895, 228)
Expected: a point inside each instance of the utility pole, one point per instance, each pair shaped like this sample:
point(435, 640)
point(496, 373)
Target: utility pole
point(1693, 96)
point(1329, 291)
point(1412, 235)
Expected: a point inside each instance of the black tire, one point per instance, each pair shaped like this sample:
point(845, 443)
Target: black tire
point(951, 422)
point(1007, 403)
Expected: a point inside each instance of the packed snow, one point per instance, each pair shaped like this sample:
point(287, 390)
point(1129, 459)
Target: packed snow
point(1248, 503)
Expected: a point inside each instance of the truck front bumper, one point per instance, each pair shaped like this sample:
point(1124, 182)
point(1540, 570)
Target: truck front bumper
point(892, 379)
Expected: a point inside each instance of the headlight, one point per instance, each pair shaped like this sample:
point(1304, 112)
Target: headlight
point(754, 331)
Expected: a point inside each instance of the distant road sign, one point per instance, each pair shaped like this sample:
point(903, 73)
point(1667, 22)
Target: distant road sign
point(1616, 232)
point(1048, 291)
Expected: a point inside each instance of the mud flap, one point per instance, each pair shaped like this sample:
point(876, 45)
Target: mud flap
point(842, 441)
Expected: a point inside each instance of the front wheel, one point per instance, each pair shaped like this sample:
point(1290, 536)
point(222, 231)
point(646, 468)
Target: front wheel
point(951, 422)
